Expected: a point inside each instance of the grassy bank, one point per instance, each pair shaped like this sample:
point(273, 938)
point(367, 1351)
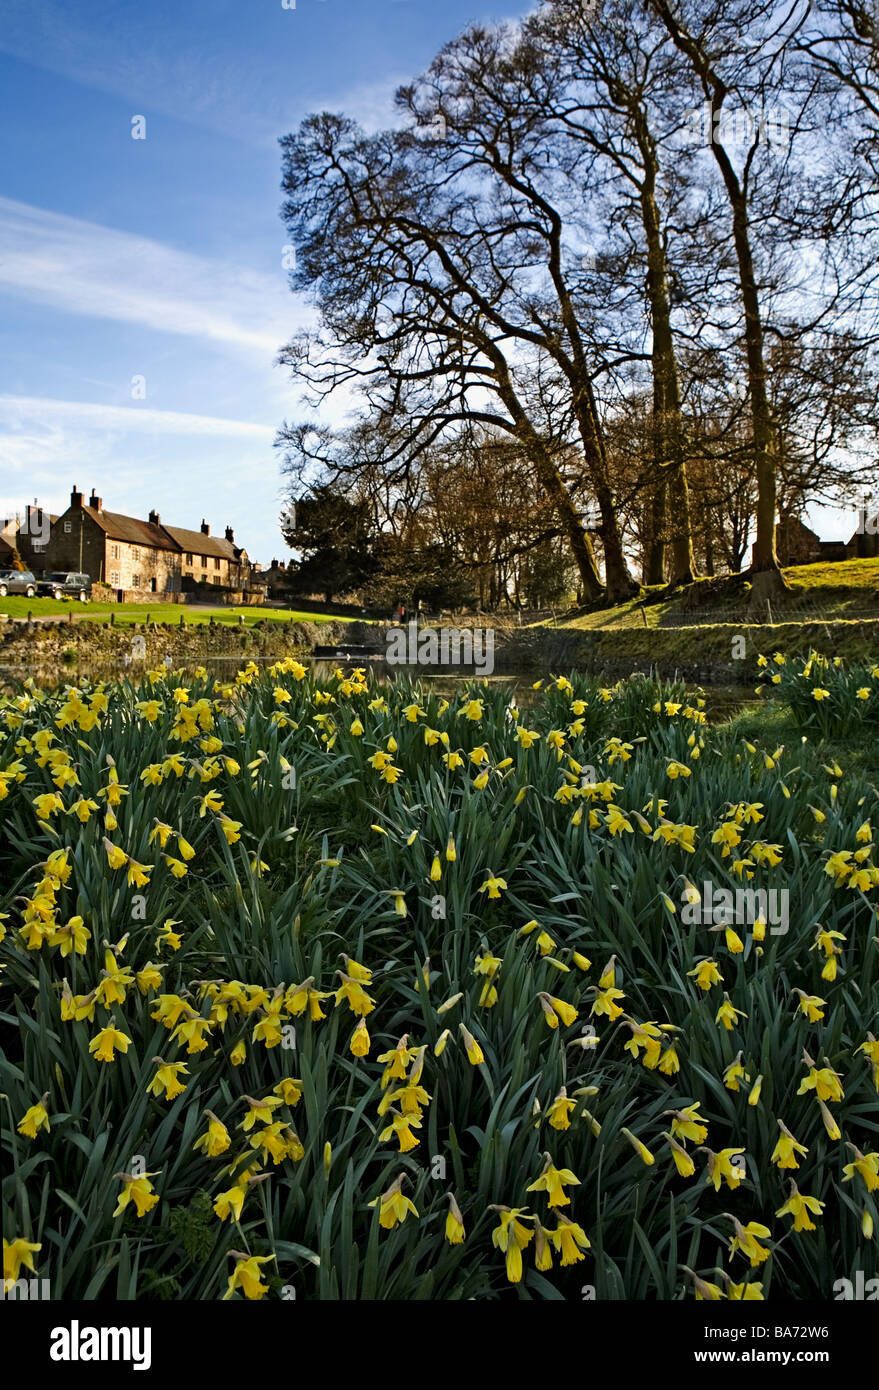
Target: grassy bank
point(847, 590)
point(710, 651)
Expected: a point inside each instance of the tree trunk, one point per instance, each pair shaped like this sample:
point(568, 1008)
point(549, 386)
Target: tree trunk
point(653, 570)
point(619, 584)
point(668, 452)
point(684, 561)
point(765, 557)
point(552, 482)
point(578, 539)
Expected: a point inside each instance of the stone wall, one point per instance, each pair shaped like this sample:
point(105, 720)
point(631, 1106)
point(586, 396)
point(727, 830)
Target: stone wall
point(704, 654)
point(38, 646)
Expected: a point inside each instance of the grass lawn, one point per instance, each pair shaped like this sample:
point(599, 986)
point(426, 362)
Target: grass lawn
point(833, 578)
point(127, 613)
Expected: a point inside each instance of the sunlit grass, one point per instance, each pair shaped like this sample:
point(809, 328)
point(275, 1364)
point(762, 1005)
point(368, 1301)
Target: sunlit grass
point(124, 614)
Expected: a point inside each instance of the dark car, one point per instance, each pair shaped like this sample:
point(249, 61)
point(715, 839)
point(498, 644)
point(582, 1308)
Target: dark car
point(64, 584)
point(17, 582)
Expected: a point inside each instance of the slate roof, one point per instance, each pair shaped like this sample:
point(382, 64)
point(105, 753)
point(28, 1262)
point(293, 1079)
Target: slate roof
point(196, 542)
point(869, 521)
point(129, 528)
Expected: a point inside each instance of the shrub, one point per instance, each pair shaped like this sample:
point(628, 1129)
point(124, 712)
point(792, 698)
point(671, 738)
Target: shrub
point(825, 696)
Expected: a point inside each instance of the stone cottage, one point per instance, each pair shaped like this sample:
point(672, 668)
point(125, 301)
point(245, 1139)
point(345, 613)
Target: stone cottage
point(132, 554)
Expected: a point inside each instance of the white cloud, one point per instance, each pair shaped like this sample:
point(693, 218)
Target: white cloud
point(18, 411)
point(45, 442)
point(136, 458)
point(84, 268)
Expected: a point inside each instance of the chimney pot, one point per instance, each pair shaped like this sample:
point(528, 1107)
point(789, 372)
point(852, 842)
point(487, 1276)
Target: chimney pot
point(230, 534)
point(75, 497)
point(205, 529)
point(95, 501)
point(154, 518)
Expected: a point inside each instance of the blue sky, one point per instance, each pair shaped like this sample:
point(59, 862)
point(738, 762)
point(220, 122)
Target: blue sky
point(142, 293)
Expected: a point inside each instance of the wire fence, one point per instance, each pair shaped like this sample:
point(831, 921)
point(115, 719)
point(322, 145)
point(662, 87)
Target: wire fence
point(786, 610)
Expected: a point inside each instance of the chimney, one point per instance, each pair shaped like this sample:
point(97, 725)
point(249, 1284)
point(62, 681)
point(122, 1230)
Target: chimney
point(95, 501)
point(205, 529)
point(154, 518)
point(230, 535)
point(75, 497)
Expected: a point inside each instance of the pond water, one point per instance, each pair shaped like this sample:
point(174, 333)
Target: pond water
point(721, 701)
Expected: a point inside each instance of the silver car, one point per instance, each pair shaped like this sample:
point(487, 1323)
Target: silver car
point(17, 582)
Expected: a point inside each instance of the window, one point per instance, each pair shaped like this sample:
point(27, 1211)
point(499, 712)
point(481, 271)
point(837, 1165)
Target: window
point(189, 559)
point(114, 552)
point(135, 553)
point(68, 526)
point(204, 562)
point(216, 562)
point(114, 579)
point(135, 581)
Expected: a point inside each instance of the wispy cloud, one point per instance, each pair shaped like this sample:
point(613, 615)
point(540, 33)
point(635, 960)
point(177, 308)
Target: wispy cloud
point(84, 268)
point(21, 411)
point(137, 457)
point(42, 441)
point(207, 77)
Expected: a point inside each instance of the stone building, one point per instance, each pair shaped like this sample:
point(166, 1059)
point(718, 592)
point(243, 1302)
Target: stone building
point(278, 578)
point(209, 559)
point(864, 543)
point(8, 542)
point(797, 544)
point(131, 554)
point(32, 533)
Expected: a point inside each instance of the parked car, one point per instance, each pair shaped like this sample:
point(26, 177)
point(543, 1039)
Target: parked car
point(17, 582)
point(63, 584)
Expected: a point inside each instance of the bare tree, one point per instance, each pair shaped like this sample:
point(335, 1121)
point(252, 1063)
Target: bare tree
point(418, 315)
